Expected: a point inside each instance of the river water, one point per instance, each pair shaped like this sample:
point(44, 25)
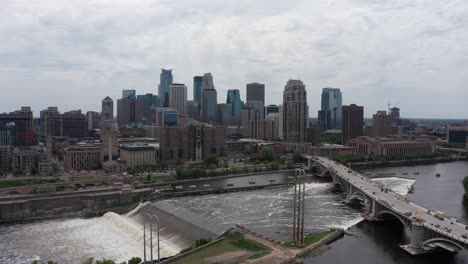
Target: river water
point(265, 211)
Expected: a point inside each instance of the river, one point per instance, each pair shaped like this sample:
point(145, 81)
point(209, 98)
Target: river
point(264, 211)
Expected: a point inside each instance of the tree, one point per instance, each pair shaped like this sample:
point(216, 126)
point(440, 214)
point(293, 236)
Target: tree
point(105, 261)
point(267, 154)
point(297, 157)
point(134, 260)
point(211, 160)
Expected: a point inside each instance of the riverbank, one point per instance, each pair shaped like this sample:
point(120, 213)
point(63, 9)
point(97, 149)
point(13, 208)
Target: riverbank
point(396, 163)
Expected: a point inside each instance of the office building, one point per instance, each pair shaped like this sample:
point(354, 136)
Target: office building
point(107, 109)
point(193, 110)
point(137, 154)
point(26, 159)
point(197, 88)
point(330, 113)
point(129, 111)
point(5, 159)
point(178, 98)
point(256, 92)
point(148, 100)
point(82, 158)
point(248, 122)
point(397, 146)
point(457, 134)
point(313, 135)
point(109, 144)
point(47, 117)
point(271, 109)
point(7, 134)
point(24, 125)
point(352, 122)
point(233, 98)
point(93, 120)
point(295, 112)
point(381, 124)
point(131, 94)
point(209, 105)
point(165, 82)
point(224, 114)
point(259, 108)
point(166, 117)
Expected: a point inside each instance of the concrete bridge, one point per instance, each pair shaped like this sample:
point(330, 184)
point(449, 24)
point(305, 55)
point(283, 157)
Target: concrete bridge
point(429, 231)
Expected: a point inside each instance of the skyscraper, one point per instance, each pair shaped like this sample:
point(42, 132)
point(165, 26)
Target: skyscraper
point(209, 105)
point(295, 112)
point(165, 81)
point(129, 94)
point(178, 98)
point(233, 98)
point(353, 122)
point(259, 108)
point(107, 110)
point(256, 92)
point(381, 124)
point(330, 113)
point(129, 111)
point(197, 88)
point(209, 99)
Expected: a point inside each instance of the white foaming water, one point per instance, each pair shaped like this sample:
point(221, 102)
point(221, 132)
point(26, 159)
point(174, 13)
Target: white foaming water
point(135, 233)
point(396, 184)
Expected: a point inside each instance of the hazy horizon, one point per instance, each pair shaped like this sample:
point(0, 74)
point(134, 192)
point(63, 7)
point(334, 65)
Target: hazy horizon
point(72, 54)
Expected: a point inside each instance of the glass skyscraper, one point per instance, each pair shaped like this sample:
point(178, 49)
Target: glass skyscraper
point(330, 113)
point(197, 87)
point(233, 98)
point(165, 82)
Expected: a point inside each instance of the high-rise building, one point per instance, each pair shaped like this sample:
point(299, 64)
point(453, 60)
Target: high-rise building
point(47, 115)
point(193, 110)
point(256, 92)
point(166, 117)
point(249, 122)
point(70, 124)
point(224, 114)
point(129, 94)
point(24, 125)
point(165, 82)
point(295, 112)
point(7, 134)
point(92, 120)
point(330, 113)
point(259, 108)
point(148, 100)
point(381, 124)
point(271, 109)
point(353, 122)
point(233, 98)
point(129, 111)
point(107, 110)
point(209, 105)
point(197, 88)
point(209, 99)
point(178, 98)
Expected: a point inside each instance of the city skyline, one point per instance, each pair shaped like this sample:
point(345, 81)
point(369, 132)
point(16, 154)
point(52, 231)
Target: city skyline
point(72, 55)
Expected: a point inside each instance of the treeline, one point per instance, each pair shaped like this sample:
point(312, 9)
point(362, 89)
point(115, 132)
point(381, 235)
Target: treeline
point(187, 172)
point(137, 169)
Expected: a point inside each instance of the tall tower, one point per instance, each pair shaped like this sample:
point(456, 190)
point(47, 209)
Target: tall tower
point(381, 124)
point(197, 88)
point(330, 112)
point(256, 92)
point(353, 122)
point(295, 112)
point(233, 98)
point(209, 99)
point(178, 98)
point(107, 110)
point(165, 82)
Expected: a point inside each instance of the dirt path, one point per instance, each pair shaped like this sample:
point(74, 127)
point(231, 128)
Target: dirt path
point(277, 255)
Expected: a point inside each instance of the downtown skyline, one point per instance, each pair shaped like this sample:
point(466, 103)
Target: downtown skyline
point(72, 55)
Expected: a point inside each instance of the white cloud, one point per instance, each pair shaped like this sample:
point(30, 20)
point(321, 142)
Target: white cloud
point(74, 53)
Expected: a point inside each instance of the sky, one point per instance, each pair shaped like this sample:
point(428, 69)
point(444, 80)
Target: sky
point(71, 54)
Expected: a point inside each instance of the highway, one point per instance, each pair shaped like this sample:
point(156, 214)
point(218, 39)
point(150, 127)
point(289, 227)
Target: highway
point(397, 203)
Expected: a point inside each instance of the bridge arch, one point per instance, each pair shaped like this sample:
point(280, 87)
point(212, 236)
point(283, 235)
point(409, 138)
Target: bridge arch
point(444, 240)
point(393, 214)
point(359, 195)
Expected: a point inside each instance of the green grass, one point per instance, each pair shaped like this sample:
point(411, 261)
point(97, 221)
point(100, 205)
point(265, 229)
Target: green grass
point(24, 182)
point(309, 240)
point(234, 242)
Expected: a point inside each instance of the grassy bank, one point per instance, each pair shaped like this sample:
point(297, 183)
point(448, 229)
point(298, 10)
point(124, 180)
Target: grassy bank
point(234, 242)
point(309, 239)
point(24, 182)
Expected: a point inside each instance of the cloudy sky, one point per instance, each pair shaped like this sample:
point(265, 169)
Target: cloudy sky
point(71, 54)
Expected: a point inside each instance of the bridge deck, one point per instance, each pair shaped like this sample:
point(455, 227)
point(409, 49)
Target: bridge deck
point(396, 202)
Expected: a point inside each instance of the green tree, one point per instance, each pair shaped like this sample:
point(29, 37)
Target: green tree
point(267, 154)
point(297, 157)
point(134, 260)
point(105, 261)
point(211, 160)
